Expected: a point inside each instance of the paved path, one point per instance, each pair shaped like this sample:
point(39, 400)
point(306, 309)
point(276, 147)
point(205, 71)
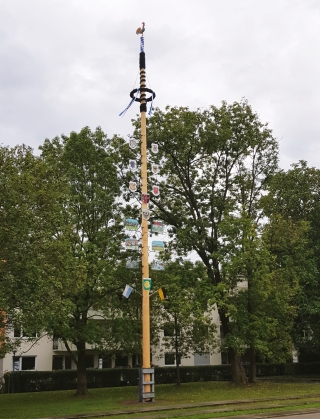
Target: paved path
point(291, 415)
point(306, 416)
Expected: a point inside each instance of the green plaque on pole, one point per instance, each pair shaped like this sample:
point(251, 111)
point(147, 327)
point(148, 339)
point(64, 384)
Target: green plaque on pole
point(147, 284)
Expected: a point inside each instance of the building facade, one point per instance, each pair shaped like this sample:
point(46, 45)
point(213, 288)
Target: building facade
point(42, 353)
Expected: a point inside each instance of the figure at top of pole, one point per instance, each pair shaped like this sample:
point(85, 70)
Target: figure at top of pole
point(143, 90)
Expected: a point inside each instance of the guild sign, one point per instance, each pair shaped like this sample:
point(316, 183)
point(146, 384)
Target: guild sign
point(132, 165)
point(147, 284)
point(132, 186)
point(155, 169)
point(132, 264)
point(157, 227)
point(131, 244)
point(157, 245)
point(154, 148)
point(155, 190)
point(146, 214)
point(157, 265)
point(133, 143)
point(131, 224)
point(145, 198)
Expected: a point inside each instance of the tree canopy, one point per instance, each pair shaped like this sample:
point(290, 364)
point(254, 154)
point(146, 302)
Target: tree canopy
point(215, 166)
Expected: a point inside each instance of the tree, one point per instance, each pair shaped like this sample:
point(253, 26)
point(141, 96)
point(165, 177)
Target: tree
point(63, 235)
point(186, 316)
point(263, 309)
point(29, 198)
point(294, 196)
point(215, 165)
point(90, 220)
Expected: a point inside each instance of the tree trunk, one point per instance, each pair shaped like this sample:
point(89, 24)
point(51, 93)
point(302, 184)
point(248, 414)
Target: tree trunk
point(82, 385)
point(252, 365)
point(238, 375)
point(176, 331)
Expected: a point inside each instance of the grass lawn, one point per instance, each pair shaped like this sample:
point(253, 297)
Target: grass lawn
point(62, 403)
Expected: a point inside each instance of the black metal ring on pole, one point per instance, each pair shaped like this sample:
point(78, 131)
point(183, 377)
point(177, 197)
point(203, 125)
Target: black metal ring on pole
point(143, 89)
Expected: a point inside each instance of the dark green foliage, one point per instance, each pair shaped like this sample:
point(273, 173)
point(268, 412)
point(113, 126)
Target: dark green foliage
point(31, 381)
point(215, 166)
point(295, 197)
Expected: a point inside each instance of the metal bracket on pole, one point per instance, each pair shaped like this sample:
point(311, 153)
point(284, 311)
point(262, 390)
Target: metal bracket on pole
point(146, 396)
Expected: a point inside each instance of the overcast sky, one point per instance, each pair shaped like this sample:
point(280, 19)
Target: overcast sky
point(66, 64)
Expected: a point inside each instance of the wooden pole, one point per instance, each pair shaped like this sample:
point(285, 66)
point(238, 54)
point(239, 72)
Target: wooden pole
point(144, 206)
point(146, 380)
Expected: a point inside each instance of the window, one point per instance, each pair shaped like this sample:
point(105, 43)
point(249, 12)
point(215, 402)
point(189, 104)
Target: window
point(200, 331)
point(136, 360)
point(89, 361)
point(28, 363)
point(55, 343)
point(60, 362)
point(57, 363)
point(203, 359)
point(29, 333)
point(24, 363)
point(121, 361)
point(16, 363)
point(67, 362)
point(225, 358)
point(222, 335)
point(170, 359)
point(18, 332)
point(106, 361)
point(169, 330)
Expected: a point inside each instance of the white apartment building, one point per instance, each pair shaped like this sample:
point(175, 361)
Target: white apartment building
point(47, 354)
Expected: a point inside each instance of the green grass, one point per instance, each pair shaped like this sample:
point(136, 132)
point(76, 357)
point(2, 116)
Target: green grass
point(62, 403)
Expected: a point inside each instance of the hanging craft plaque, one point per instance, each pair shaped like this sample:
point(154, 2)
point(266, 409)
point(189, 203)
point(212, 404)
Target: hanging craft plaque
point(155, 169)
point(132, 244)
point(155, 190)
point(133, 143)
point(132, 165)
point(132, 264)
point(157, 265)
point(157, 246)
point(157, 227)
point(147, 284)
point(145, 198)
point(146, 214)
point(131, 224)
point(154, 148)
point(133, 186)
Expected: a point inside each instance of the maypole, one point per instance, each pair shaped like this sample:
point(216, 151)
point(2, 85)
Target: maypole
point(147, 375)
point(146, 381)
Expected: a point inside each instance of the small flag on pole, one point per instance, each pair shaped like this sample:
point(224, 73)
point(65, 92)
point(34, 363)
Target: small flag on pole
point(127, 291)
point(162, 293)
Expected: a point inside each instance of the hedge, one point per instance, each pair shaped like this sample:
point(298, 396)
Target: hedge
point(30, 381)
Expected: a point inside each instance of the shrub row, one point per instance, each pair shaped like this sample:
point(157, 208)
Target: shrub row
point(30, 381)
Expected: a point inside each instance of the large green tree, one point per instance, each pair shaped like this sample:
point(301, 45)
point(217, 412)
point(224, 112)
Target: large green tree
point(295, 196)
point(262, 307)
point(185, 315)
point(29, 198)
point(215, 165)
point(90, 220)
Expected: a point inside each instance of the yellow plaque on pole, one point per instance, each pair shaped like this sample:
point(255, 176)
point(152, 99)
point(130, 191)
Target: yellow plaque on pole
point(147, 284)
